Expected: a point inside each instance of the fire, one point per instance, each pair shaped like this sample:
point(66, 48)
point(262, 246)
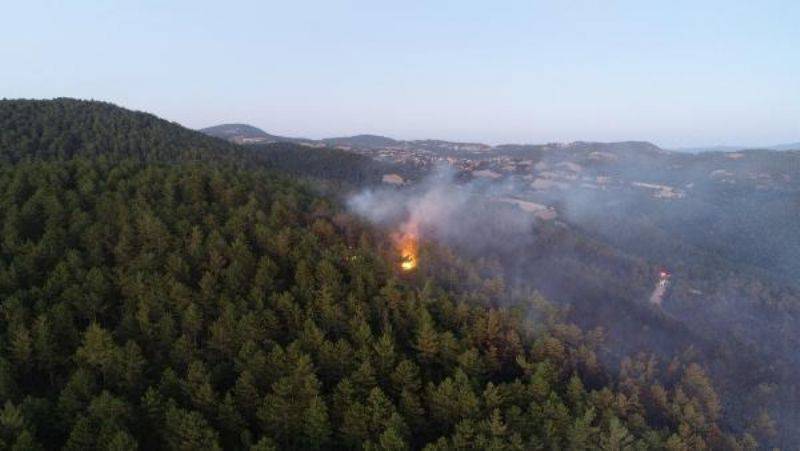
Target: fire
point(407, 244)
point(408, 263)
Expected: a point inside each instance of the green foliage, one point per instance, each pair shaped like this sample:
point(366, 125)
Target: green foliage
point(188, 305)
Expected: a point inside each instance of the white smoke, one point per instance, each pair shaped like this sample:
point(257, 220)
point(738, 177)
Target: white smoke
point(466, 215)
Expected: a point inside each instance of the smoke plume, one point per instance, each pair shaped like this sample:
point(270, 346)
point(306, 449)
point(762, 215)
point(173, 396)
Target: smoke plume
point(467, 216)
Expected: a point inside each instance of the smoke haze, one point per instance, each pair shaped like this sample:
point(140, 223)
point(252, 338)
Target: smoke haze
point(724, 227)
point(466, 216)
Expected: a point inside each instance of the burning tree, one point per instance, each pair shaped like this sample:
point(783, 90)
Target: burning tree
point(407, 244)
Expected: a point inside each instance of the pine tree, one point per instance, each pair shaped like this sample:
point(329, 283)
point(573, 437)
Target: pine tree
point(188, 430)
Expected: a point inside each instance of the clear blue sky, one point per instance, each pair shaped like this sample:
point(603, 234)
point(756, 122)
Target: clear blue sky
point(673, 72)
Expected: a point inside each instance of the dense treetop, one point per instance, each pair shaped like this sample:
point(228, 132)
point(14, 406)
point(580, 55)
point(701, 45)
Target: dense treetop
point(166, 301)
point(66, 128)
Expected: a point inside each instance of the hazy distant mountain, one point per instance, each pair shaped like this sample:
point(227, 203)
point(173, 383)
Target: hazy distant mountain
point(230, 131)
point(789, 146)
point(248, 134)
point(440, 146)
point(722, 148)
point(245, 134)
point(369, 141)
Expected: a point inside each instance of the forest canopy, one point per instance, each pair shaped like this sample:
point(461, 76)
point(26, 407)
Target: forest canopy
point(160, 289)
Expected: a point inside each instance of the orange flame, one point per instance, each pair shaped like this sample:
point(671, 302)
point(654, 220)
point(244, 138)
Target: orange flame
point(407, 244)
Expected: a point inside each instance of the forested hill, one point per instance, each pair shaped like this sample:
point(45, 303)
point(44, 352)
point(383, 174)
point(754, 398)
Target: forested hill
point(67, 128)
point(237, 131)
point(153, 298)
point(64, 128)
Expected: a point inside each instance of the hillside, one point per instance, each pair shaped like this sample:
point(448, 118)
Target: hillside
point(235, 131)
point(69, 128)
point(722, 224)
point(163, 289)
point(324, 164)
point(367, 141)
point(245, 134)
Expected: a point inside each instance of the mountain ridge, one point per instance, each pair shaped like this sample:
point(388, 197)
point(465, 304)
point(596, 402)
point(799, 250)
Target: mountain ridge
point(241, 133)
point(734, 148)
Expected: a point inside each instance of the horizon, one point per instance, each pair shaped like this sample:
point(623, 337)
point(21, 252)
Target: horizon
point(678, 75)
point(711, 147)
point(687, 149)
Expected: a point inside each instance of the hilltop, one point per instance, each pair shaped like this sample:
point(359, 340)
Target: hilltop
point(366, 141)
point(246, 134)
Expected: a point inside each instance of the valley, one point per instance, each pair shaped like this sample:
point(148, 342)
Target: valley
point(722, 223)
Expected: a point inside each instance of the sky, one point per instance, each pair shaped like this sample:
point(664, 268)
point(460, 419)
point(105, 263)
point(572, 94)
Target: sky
point(676, 73)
